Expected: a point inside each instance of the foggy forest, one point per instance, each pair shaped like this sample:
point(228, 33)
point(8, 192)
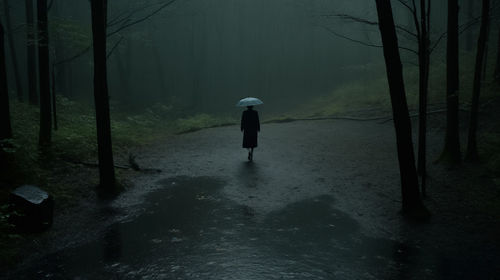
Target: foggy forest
point(249, 139)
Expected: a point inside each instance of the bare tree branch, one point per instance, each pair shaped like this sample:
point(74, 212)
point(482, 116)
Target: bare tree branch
point(126, 15)
point(84, 51)
point(356, 19)
point(415, 20)
point(142, 19)
point(412, 10)
point(441, 37)
point(428, 14)
point(398, 27)
point(361, 42)
point(368, 22)
point(71, 58)
point(50, 5)
point(114, 47)
point(464, 27)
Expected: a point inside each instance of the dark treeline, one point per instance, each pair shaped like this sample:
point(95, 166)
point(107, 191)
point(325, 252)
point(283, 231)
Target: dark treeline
point(225, 49)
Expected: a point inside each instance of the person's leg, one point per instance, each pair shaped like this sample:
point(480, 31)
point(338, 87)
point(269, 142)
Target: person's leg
point(251, 153)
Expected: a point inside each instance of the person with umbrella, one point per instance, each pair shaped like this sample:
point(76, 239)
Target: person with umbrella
point(250, 124)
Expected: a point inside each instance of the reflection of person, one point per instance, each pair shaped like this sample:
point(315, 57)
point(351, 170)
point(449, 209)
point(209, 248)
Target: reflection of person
point(250, 126)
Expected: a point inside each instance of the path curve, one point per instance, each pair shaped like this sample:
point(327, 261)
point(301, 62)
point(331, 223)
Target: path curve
point(321, 200)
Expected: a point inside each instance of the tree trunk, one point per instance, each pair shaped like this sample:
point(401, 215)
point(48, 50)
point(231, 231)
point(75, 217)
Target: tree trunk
point(471, 153)
point(13, 54)
point(5, 127)
point(160, 69)
point(485, 59)
point(31, 53)
point(409, 180)
point(469, 41)
point(44, 78)
point(101, 98)
point(423, 56)
point(123, 77)
point(497, 66)
point(54, 101)
point(451, 151)
point(61, 71)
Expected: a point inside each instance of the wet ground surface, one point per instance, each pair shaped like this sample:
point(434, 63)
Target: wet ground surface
point(320, 201)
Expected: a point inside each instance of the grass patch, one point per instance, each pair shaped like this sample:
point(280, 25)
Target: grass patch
point(373, 94)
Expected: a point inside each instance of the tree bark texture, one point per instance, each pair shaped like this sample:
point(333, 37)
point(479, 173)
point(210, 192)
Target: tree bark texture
point(54, 101)
point(471, 153)
point(486, 52)
point(5, 127)
point(105, 149)
point(44, 75)
point(31, 53)
point(408, 172)
point(451, 151)
point(423, 57)
point(12, 47)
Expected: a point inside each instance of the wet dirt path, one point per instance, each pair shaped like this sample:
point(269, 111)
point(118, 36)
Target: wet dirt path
point(319, 201)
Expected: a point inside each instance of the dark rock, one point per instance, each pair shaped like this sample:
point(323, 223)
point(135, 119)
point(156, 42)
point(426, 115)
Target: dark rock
point(31, 208)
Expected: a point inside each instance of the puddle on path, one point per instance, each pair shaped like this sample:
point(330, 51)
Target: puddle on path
point(189, 230)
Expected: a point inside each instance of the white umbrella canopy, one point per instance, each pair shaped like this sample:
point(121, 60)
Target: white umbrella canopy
point(249, 101)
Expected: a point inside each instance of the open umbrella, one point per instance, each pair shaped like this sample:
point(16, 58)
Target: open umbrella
point(249, 101)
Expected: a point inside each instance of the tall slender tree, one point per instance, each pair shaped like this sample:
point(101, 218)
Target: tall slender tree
point(470, 10)
point(31, 52)
point(471, 153)
point(101, 98)
point(412, 203)
point(496, 74)
point(451, 151)
point(422, 27)
point(5, 127)
point(12, 48)
point(44, 75)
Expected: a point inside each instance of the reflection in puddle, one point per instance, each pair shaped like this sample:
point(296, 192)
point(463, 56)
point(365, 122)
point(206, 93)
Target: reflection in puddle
point(248, 174)
point(189, 230)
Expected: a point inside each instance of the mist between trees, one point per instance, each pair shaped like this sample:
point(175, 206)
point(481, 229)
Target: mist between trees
point(201, 56)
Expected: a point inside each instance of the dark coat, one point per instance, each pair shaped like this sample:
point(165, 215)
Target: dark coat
point(250, 125)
